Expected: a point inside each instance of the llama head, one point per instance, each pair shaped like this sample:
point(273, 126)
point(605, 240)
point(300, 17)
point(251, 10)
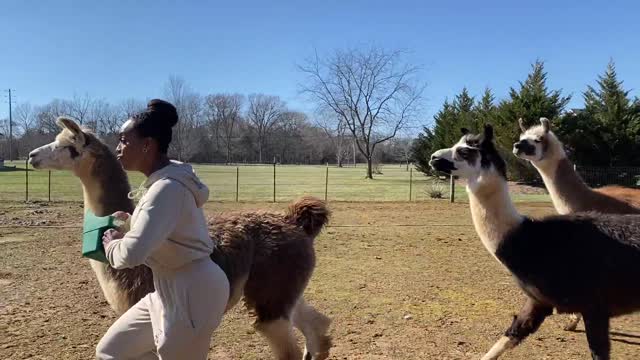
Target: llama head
point(473, 157)
point(72, 148)
point(538, 143)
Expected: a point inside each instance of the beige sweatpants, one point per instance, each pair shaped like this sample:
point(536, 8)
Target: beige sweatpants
point(174, 322)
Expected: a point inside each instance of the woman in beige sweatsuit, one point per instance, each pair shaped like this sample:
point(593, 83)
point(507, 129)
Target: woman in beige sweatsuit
point(168, 233)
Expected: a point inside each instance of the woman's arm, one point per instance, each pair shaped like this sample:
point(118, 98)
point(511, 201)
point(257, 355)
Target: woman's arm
point(155, 221)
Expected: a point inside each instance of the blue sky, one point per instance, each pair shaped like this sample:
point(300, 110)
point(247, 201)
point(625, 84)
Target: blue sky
point(121, 49)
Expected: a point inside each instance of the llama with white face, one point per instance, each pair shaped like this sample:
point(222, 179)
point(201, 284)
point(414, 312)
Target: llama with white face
point(580, 263)
point(569, 193)
point(268, 257)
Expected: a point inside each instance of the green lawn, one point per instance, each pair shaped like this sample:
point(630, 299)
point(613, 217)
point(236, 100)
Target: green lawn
point(255, 183)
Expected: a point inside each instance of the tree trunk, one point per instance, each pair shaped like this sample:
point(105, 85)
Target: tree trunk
point(369, 168)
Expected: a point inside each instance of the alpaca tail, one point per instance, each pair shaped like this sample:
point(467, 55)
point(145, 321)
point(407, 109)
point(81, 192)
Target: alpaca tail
point(309, 213)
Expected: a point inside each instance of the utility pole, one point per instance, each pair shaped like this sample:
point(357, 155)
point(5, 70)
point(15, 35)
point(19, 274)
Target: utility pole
point(10, 129)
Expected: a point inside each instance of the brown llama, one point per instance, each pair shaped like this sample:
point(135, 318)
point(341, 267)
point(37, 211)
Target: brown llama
point(268, 257)
point(569, 193)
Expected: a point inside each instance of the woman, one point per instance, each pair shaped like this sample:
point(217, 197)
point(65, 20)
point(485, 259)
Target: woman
point(168, 233)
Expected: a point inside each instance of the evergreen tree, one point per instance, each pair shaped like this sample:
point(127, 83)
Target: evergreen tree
point(606, 132)
point(442, 135)
point(530, 102)
point(421, 150)
point(614, 116)
point(464, 114)
point(485, 110)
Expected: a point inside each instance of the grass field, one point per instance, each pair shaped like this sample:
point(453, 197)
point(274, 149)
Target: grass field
point(424, 290)
point(255, 183)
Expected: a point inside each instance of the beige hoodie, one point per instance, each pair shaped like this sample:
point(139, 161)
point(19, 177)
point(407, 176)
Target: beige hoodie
point(168, 227)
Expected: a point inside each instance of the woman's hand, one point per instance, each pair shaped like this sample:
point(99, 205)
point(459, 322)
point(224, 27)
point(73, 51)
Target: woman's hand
point(109, 236)
point(121, 215)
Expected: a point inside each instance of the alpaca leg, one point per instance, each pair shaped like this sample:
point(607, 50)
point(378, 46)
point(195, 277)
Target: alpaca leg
point(314, 326)
point(524, 324)
point(279, 334)
point(574, 320)
point(597, 328)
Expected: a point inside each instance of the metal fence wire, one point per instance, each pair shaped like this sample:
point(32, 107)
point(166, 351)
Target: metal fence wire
point(19, 182)
point(597, 176)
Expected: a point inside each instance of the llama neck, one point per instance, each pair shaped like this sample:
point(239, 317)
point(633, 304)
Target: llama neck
point(105, 187)
point(492, 210)
point(568, 191)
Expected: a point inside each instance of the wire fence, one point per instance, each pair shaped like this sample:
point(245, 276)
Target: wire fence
point(275, 183)
point(615, 175)
point(20, 182)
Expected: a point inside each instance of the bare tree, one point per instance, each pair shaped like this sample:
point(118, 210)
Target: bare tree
point(189, 106)
point(288, 134)
point(46, 115)
point(374, 92)
point(80, 109)
point(107, 121)
point(336, 131)
point(130, 107)
point(106, 118)
point(223, 115)
point(24, 116)
point(401, 149)
point(263, 114)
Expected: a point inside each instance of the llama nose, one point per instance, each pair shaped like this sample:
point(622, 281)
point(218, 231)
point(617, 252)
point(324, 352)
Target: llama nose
point(518, 145)
point(434, 157)
point(33, 154)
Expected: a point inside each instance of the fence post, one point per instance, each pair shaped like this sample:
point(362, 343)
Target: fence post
point(326, 183)
point(410, 183)
point(237, 182)
point(452, 189)
point(49, 186)
point(274, 180)
point(26, 180)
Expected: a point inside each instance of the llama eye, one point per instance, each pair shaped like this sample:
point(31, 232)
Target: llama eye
point(463, 152)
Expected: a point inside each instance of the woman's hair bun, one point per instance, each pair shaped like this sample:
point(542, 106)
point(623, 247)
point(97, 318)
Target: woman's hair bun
point(163, 111)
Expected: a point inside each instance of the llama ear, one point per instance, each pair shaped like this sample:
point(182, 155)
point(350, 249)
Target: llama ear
point(464, 131)
point(521, 123)
point(545, 124)
point(69, 124)
point(488, 132)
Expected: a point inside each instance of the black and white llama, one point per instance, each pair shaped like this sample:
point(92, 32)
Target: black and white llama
point(586, 263)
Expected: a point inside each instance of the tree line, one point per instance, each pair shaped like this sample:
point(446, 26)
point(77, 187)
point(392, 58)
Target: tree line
point(365, 99)
point(604, 132)
point(214, 128)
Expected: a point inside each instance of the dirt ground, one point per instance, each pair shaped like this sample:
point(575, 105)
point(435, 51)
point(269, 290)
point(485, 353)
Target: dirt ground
point(399, 280)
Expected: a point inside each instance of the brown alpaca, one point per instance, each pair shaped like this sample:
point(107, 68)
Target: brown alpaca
point(569, 193)
point(268, 257)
